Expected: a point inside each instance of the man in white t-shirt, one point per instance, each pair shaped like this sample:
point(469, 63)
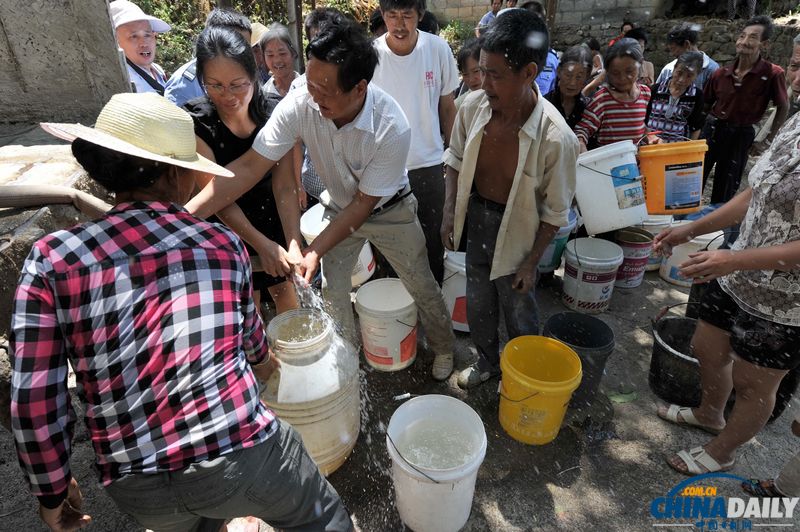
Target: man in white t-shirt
point(358, 138)
point(419, 71)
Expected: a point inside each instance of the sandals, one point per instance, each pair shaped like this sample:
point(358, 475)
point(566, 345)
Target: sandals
point(686, 418)
point(698, 461)
point(757, 488)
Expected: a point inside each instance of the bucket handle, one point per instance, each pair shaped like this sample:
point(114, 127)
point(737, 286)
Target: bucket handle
point(635, 178)
point(500, 391)
point(406, 324)
point(664, 310)
point(412, 466)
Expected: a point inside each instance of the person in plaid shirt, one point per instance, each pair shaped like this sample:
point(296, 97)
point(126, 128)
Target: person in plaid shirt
point(153, 309)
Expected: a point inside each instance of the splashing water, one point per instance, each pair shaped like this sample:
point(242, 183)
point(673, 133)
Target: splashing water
point(306, 295)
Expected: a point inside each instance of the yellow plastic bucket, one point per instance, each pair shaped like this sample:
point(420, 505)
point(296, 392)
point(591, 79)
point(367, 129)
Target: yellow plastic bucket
point(539, 376)
point(673, 176)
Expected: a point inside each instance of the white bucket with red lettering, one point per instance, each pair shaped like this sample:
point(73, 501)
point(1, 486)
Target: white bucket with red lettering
point(313, 222)
point(388, 318)
point(654, 224)
point(589, 274)
point(636, 246)
point(454, 289)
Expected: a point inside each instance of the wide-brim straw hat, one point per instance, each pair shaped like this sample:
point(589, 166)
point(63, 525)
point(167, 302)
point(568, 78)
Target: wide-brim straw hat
point(123, 12)
point(145, 125)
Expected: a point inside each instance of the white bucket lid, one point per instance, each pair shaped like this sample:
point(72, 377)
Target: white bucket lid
point(657, 219)
point(312, 223)
point(702, 240)
point(594, 251)
point(383, 296)
point(457, 260)
point(616, 148)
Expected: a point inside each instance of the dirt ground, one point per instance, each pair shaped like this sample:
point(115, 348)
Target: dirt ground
point(601, 474)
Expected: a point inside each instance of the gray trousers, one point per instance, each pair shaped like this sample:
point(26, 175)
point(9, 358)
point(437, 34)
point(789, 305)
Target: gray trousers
point(485, 298)
point(788, 481)
point(397, 234)
point(276, 481)
point(428, 186)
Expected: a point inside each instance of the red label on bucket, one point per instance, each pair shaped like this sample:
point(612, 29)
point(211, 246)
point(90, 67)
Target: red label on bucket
point(408, 347)
point(460, 310)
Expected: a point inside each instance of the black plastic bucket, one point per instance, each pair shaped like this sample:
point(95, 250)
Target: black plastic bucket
point(593, 340)
point(675, 375)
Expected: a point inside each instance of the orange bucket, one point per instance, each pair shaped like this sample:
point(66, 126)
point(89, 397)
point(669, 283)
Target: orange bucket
point(673, 176)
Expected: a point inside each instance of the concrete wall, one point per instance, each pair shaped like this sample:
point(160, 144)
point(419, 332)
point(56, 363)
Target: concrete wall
point(58, 60)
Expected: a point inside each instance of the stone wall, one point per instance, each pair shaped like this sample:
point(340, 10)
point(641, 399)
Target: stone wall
point(58, 60)
point(717, 38)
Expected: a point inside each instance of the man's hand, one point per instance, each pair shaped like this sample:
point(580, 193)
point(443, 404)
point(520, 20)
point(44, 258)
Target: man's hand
point(273, 258)
point(309, 265)
point(302, 198)
point(525, 279)
point(446, 232)
point(67, 516)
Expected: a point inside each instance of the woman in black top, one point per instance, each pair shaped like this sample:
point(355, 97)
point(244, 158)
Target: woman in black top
point(572, 75)
point(227, 121)
point(675, 110)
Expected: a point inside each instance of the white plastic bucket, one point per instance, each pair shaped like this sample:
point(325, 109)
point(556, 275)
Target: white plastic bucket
point(609, 189)
point(433, 499)
point(454, 289)
point(589, 274)
point(388, 318)
point(636, 246)
point(654, 224)
point(680, 254)
point(313, 222)
point(551, 258)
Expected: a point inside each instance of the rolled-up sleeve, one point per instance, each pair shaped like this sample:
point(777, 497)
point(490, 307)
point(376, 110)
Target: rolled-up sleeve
point(454, 154)
point(281, 131)
point(558, 180)
point(42, 417)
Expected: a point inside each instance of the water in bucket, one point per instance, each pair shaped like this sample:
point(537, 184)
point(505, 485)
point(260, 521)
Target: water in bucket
point(435, 445)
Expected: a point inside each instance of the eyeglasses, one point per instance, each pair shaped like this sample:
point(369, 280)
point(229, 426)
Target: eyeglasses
point(234, 89)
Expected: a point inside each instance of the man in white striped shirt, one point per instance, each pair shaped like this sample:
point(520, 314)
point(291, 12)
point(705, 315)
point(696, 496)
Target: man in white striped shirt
point(358, 139)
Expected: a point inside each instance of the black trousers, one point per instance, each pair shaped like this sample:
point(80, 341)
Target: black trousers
point(728, 146)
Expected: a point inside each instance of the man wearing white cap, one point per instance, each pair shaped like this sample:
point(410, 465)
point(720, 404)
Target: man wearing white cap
point(136, 35)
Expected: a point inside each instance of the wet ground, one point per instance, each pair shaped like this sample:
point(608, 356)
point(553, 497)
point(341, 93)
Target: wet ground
point(601, 473)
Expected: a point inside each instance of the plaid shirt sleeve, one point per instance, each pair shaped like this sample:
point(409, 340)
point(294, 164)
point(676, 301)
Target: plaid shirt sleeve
point(254, 339)
point(41, 411)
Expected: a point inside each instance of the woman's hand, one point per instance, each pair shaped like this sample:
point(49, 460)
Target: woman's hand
point(67, 516)
point(705, 266)
point(671, 237)
point(273, 258)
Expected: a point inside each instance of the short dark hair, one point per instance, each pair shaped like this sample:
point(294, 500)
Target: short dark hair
point(638, 34)
point(534, 7)
point(471, 48)
point(624, 47)
point(228, 18)
point(376, 21)
point(626, 22)
point(117, 171)
point(320, 16)
point(765, 22)
point(692, 60)
point(683, 32)
point(428, 23)
point(521, 36)
point(419, 5)
point(593, 44)
point(347, 46)
point(221, 42)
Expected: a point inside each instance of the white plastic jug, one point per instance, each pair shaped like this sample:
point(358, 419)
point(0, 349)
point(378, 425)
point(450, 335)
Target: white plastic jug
point(316, 389)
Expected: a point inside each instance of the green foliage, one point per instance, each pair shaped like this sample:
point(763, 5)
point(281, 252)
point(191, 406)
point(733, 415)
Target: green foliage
point(456, 32)
point(187, 18)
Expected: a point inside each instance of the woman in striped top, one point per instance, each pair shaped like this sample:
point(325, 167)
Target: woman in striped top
point(617, 111)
